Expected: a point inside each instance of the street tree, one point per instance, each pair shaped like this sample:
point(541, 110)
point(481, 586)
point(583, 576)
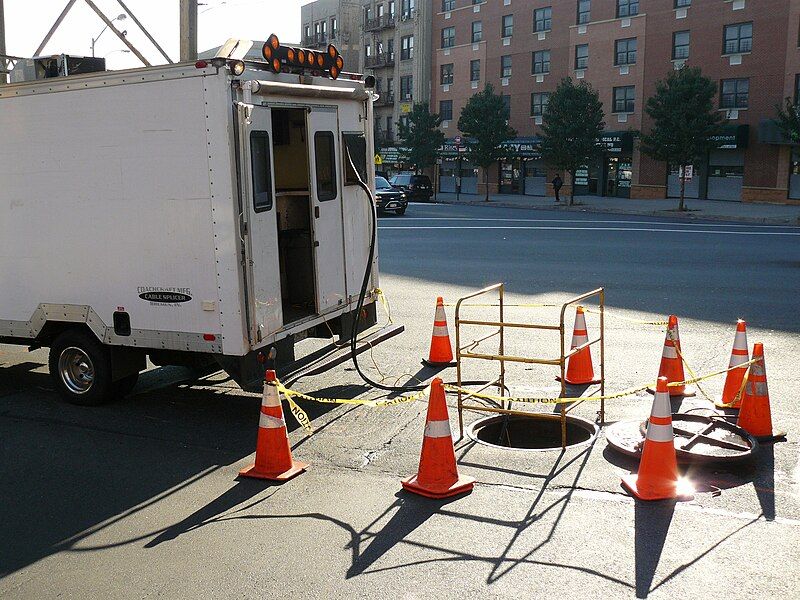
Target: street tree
point(420, 139)
point(788, 121)
point(571, 126)
point(484, 119)
point(684, 121)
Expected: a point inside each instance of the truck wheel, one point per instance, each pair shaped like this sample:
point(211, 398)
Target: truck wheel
point(81, 368)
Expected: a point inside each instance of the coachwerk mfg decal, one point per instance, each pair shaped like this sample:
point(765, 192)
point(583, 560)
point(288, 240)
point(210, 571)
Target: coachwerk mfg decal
point(164, 296)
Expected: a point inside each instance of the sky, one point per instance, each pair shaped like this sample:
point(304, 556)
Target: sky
point(28, 21)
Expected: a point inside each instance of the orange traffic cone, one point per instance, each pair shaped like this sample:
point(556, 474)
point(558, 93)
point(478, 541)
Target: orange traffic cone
point(437, 476)
point(755, 416)
point(658, 469)
point(273, 456)
point(671, 363)
point(579, 365)
point(734, 378)
point(441, 353)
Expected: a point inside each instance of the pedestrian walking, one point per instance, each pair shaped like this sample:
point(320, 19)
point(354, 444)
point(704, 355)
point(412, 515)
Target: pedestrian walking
point(557, 183)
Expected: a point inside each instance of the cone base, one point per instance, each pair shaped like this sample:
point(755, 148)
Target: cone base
point(572, 382)
point(463, 485)
point(630, 483)
point(688, 392)
point(772, 437)
point(297, 468)
point(430, 363)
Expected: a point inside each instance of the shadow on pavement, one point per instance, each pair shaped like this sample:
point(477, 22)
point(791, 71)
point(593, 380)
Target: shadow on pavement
point(69, 472)
point(652, 521)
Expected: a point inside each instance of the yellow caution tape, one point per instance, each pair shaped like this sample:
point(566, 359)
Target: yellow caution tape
point(628, 319)
point(385, 303)
point(738, 396)
point(289, 393)
point(695, 378)
point(505, 304)
point(543, 400)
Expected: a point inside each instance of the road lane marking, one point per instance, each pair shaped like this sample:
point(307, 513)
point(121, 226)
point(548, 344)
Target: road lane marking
point(588, 221)
point(553, 228)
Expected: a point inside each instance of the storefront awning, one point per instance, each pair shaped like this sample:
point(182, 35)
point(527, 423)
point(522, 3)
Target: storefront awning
point(733, 137)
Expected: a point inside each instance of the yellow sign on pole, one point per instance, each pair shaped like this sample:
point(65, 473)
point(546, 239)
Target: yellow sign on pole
point(378, 159)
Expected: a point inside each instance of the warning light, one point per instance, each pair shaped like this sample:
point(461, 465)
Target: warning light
point(293, 59)
point(236, 67)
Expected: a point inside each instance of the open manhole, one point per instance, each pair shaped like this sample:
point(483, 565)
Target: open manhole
point(536, 432)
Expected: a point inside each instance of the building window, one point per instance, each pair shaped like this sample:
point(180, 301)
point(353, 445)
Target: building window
point(403, 122)
point(477, 31)
point(446, 110)
point(539, 103)
point(627, 8)
point(625, 52)
point(367, 15)
point(505, 66)
point(508, 26)
point(323, 28)
point(446, 74)
point(581, 56)
point(734, 93)
point(308, 32)
point(543, 19)
point(407, 47)
point(448, 37)
point(680, 45)
point(390, 87)
point(391, 9)
point(738, 38)
point(389, 129)
point(584, 11)
point(683, 3)
point(541, 62)
point(334, 27)
point(380, 11)
point(623, 99)
point(448, 5)
point(406, 8)
point(390, 49)
point(367, 50)
point(475, 70)
point(507, 105)
point(796, 88)
point(406, 85)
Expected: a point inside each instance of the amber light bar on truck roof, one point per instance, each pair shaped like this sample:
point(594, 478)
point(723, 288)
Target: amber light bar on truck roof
point(280, 57)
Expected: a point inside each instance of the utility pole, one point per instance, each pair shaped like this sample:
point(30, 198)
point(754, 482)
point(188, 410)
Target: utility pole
point(188, 20)
point(3, 61)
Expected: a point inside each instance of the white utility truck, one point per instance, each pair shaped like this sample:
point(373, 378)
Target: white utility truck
point(184, 213)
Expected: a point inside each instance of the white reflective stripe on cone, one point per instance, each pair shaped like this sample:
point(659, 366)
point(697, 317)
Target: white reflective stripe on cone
point(661, 405)
point(439, 314)
point(737, 359)
point(659, 433)
point(580, 321)
point(270, 422)
point(757, 388)
point(440, 330)
point(271, 397)
point(669, 352)
point(437, 429)
point(740, 341)
point(579, 340)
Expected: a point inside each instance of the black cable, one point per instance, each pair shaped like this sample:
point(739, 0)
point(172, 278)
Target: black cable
point(363, 293)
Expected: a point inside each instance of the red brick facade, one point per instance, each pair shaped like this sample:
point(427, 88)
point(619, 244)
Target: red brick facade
point(747, 169)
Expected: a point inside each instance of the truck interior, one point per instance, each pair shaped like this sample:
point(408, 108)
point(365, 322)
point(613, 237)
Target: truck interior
point(293, 217)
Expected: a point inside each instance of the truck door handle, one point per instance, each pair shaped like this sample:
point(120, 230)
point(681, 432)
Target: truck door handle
point(316, 212)
point(316, 244)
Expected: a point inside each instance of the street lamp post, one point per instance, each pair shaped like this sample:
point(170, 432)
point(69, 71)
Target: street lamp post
point(119, 17)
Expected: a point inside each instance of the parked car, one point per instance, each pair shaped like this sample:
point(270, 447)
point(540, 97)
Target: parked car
point(389, 198)
point(416, 187)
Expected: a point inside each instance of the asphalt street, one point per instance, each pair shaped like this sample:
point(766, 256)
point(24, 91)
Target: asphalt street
point(140, 498)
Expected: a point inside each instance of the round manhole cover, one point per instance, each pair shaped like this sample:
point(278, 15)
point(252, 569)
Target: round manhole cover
point(698, 438)
point(537, 432)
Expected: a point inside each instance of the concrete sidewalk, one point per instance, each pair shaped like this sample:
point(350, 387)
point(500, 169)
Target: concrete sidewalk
point(713, 210)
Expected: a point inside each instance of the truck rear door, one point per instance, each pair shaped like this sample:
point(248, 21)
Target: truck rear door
point(326, 189)
point(259, 220)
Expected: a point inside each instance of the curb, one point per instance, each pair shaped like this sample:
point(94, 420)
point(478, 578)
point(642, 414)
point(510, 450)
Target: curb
point(785, 221)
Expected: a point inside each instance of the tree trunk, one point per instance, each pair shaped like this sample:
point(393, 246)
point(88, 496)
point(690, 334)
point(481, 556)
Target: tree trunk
point(486, 183)
point(681, 205)
point(572, 188)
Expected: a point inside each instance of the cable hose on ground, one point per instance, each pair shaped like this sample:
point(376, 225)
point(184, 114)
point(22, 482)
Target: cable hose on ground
point(363, 293)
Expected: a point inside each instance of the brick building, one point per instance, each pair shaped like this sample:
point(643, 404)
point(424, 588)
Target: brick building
point(336, 22)
point(750, 48)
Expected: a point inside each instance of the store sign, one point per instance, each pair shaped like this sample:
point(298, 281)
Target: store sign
point(732, 137)
point(405, 107)
point(390, 155)
point(616, 142)
point(523, 147)
point(582, 176)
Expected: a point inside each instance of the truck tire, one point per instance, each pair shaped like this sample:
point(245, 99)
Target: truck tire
point(81, 368)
